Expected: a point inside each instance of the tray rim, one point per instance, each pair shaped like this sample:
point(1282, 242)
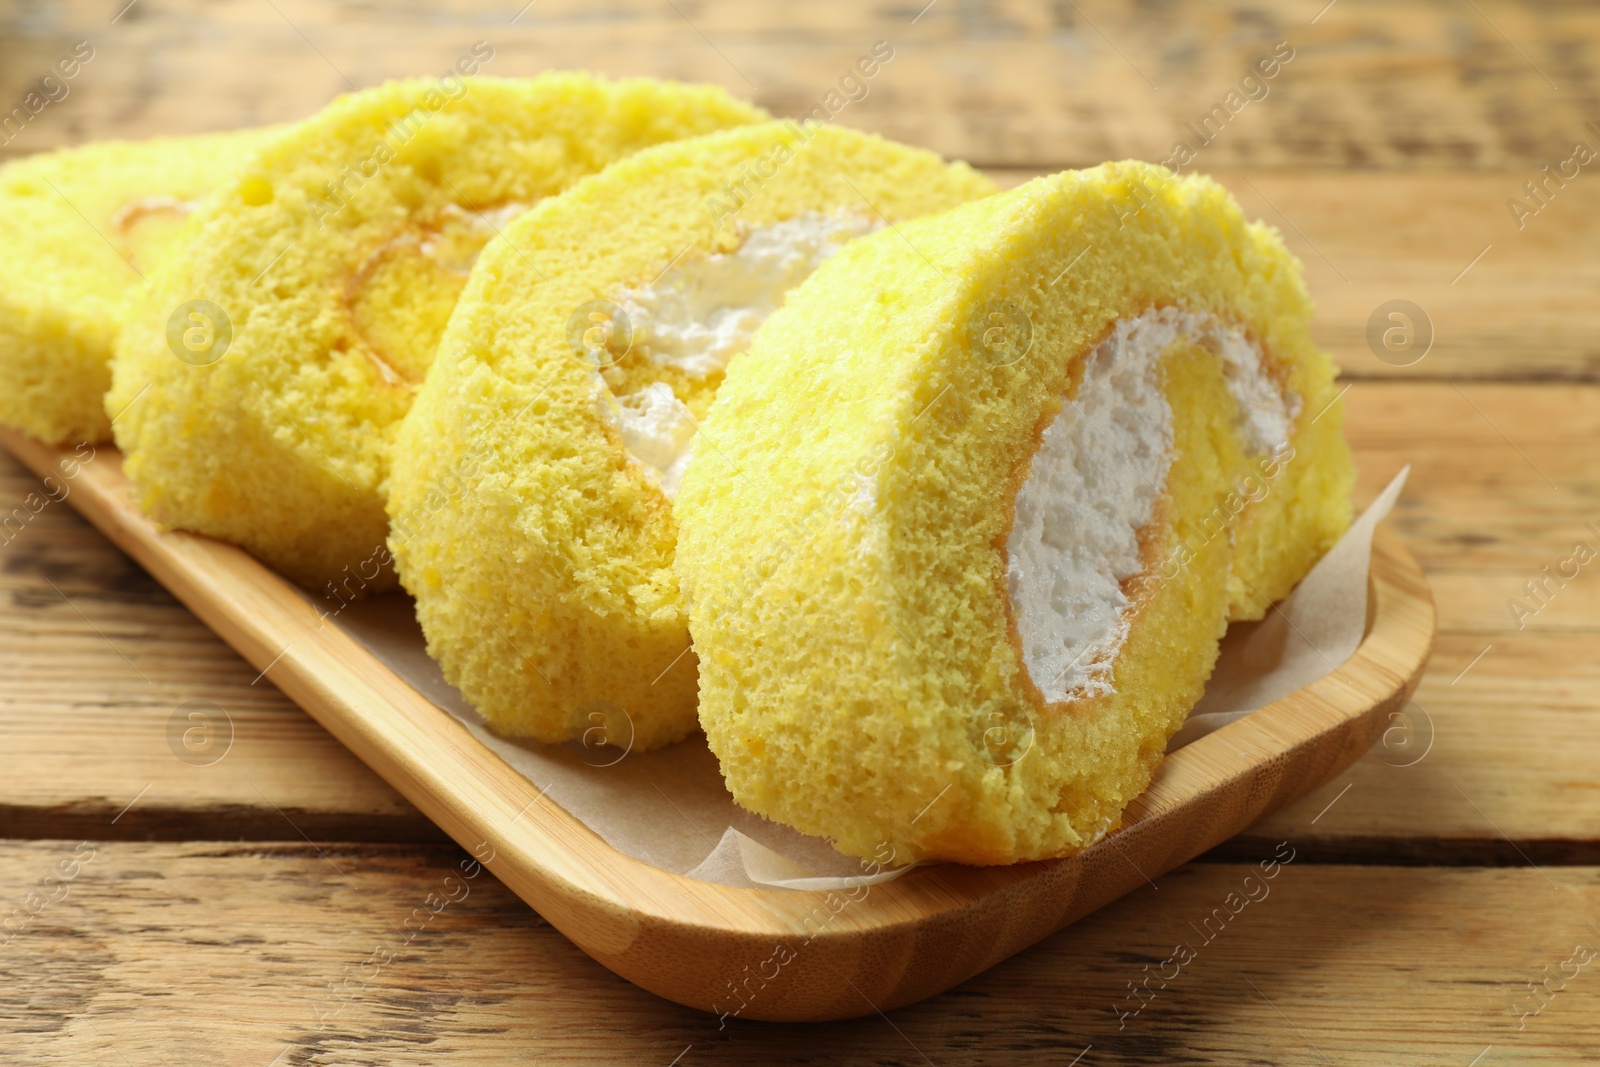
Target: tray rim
point(629, 915)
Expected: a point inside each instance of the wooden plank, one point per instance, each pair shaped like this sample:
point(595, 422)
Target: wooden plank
point(1512, 713)
point(1497, 300)
point(1479, 501)
point(1497, 768)
point(1525, 310)
point(1475, 512)
point(196, 953)
point(99, 664)
point(1373, 83)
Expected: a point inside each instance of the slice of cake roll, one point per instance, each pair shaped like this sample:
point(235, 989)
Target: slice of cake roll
point(265, 371)
point(532, 491)
point(982, 495)
point(80, 228)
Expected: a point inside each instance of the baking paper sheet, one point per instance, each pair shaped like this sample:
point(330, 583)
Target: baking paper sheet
point(669, 807)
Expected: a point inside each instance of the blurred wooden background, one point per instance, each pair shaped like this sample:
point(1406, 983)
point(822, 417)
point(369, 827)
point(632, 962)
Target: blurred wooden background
point(1440, 890)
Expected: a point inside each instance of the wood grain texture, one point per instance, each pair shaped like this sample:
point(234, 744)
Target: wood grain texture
point(1429, 84)
point(97, 663)
point(897, 942)
point(1386, 153)
point(197, 953)
point(1524, 311)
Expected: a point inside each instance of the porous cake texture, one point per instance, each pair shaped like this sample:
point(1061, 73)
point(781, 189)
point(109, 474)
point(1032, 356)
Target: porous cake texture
point(579, 362)
point(265, 371)
point(80, 228)
point(986, 492)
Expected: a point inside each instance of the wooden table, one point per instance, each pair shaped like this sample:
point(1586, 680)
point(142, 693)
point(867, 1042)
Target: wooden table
point(1445, 894)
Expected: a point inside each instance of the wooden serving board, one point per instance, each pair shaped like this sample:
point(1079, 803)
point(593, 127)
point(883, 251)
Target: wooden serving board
point(762, 954)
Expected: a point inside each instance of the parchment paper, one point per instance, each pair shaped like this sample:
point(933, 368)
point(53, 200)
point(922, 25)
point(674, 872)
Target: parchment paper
point(669, 808)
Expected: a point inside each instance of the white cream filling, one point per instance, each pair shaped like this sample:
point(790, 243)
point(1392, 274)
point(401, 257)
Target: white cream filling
point(701, 314)
point(487, 222)
point(484, 225)
point(1093, 485)
point(658, 431)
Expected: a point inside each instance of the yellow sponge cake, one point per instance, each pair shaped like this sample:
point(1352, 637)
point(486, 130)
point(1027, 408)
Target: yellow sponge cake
point(267, 367)
point(531, 494)
point(985, 494)
point(79, 230)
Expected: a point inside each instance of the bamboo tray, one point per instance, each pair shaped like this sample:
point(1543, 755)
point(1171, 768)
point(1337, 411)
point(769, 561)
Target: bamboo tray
point(764, 954)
